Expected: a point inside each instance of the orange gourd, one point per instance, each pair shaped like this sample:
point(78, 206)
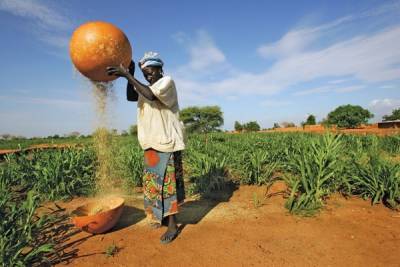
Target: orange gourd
point(96, 45)
point(102, 221)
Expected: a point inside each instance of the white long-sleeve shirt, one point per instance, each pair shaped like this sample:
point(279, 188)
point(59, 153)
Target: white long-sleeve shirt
point(158, 121)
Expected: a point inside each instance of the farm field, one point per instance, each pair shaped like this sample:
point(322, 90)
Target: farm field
point(266, 198)
point(229, 231)
point(372, 129)
point(16, 144)
point(199, 133)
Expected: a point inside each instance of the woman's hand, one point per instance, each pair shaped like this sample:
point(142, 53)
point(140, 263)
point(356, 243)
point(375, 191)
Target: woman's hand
point(119, 71)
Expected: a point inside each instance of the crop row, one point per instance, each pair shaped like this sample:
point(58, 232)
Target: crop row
point(312, 166)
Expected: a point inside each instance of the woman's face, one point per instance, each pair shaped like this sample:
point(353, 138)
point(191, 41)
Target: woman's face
point(152, 74)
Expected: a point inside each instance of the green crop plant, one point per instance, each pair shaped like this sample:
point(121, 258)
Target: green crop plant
point(131, 165)
point(56, 174)
point(207, 172)
point(20, 229)
point(111, 250)
point(378, 179)
point(390, 144)
point(63, 174)
point(257, 169)
point(312, 166)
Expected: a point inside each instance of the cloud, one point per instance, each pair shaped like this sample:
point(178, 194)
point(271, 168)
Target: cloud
point(389, 7)
point(366, 58)
point(206, 62)
point(45, 22)
point(58, 41)
point(202, 50)
point(329, 89)
point(206, 70)
point(348, 89)
point(386, 103)
point(43, 15)
point(275, 103)
point(204, 53)
point(317, 90)
point(337, 81)
point(291, 43)
point(385, 106)
point(299, 39)
point(388, 86)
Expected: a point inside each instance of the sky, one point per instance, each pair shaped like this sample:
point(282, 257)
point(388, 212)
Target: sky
point(264, 61)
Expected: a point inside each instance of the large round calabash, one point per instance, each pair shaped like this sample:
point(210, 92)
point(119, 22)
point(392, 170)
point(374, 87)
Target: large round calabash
point(96, 45)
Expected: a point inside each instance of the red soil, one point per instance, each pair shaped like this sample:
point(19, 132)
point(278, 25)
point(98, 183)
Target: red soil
point(364, 130)
point(231, 230)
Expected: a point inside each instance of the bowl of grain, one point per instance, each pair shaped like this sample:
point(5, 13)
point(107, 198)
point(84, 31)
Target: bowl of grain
point(98, 215)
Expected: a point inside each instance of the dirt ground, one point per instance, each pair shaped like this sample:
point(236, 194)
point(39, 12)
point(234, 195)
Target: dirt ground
point(241, 227)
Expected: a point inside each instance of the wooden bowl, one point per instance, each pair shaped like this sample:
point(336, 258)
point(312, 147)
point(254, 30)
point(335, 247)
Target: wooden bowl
point(98, 215)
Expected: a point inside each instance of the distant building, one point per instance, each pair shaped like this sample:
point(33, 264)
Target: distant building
point(389, 124)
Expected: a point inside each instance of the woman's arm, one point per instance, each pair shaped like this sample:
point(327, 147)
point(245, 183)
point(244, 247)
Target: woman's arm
point(142, 89)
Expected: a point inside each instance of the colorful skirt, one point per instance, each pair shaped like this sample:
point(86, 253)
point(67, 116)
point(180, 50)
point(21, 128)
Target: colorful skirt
point(162, 183)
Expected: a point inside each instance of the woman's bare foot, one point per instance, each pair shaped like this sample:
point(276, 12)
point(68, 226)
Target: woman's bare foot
point(172, 231)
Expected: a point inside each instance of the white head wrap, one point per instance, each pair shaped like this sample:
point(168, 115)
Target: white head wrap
point(151, 59)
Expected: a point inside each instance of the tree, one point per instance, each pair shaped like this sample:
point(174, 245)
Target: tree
point(133, 129)
point(75, 134)
point(238, 126)
point(395, 115)
point(311, 120)
point(6, 136)
point(286, 124)
point(202, 119)
point(276, 125)
point(349, 116)
point(251, 126)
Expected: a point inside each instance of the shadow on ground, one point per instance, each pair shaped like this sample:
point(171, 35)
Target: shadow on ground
point(192, 212)
point(68, 239)
point(65, 237)
point(130, 216)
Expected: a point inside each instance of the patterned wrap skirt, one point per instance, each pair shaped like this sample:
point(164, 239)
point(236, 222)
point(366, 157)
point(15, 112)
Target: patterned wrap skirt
point(162, 183)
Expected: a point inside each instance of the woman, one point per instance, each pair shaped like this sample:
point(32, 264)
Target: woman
point(160, 134)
